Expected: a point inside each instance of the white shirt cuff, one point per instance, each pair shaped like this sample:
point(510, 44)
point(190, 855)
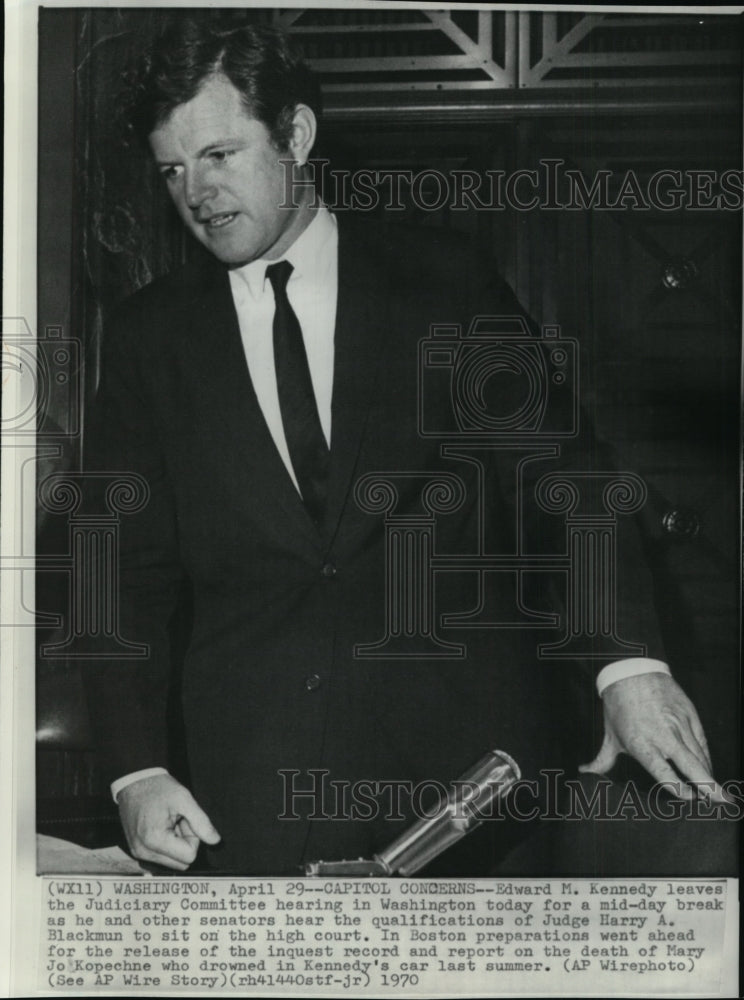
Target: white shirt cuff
point(621, 669)
point(129, 779)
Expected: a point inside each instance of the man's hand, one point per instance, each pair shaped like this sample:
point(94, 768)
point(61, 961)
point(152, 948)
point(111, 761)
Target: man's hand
point(162, 821)
point(651, 718)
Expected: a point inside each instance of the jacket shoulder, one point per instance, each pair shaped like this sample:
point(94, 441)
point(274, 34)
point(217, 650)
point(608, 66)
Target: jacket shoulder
point(411, 249)
point(164, 304)
point(438, 265)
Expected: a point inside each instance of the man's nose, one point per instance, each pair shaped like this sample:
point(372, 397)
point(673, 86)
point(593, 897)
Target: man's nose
point(198, 189)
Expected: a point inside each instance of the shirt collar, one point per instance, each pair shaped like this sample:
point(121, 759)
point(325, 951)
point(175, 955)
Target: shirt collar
point(306, 255)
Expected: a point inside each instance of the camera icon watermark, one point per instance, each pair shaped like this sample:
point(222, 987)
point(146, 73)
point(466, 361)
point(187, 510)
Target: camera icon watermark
point(41, 376)
point(503, 382)
point(501, 396)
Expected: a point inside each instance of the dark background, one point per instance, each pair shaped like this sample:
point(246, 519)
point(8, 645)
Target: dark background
point(653, 297)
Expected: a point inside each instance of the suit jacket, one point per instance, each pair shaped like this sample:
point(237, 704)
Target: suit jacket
point(274, 700)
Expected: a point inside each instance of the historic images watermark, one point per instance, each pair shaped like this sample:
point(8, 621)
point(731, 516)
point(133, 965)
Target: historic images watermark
point(457, 362)
point(551, 184)
point(314, 795)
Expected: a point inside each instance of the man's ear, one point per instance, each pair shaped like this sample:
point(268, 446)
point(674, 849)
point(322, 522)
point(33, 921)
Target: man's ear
point(304, 130)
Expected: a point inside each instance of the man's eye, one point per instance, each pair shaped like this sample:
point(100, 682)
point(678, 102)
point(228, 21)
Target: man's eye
point(220, 155)
point(169, 173)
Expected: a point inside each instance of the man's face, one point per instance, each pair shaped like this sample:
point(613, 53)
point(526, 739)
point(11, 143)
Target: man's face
point(225, 178)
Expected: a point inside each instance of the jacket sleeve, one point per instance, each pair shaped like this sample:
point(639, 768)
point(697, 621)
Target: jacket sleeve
point(571, 499)
point(128, 695)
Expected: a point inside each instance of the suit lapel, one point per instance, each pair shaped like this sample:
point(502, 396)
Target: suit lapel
point(361, 332)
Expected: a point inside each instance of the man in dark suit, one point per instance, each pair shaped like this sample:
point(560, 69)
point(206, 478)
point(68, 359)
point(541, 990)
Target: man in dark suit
point(252, 478)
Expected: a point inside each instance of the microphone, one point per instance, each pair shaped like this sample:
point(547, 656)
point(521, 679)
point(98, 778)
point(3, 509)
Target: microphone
point(467, 803)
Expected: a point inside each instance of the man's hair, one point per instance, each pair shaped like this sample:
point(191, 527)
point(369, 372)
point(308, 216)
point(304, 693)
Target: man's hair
point(258, 60)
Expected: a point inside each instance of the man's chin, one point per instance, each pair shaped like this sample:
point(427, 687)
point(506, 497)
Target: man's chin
point(226, 248)
point(231, 257)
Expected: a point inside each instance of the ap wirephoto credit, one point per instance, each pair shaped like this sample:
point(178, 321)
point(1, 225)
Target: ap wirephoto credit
point(371, 461)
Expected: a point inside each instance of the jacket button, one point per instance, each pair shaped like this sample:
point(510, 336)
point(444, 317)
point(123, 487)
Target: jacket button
point(328, 571)
point(312, 683)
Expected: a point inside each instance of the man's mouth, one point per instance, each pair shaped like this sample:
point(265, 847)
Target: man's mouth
point(218, 221)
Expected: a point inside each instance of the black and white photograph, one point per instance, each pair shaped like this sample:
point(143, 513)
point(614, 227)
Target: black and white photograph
point(371, 498)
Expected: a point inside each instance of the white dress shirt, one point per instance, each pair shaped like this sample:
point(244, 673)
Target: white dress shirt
point(313, 291)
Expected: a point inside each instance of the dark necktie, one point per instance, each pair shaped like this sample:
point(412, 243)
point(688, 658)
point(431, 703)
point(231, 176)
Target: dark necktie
point(307, 445)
